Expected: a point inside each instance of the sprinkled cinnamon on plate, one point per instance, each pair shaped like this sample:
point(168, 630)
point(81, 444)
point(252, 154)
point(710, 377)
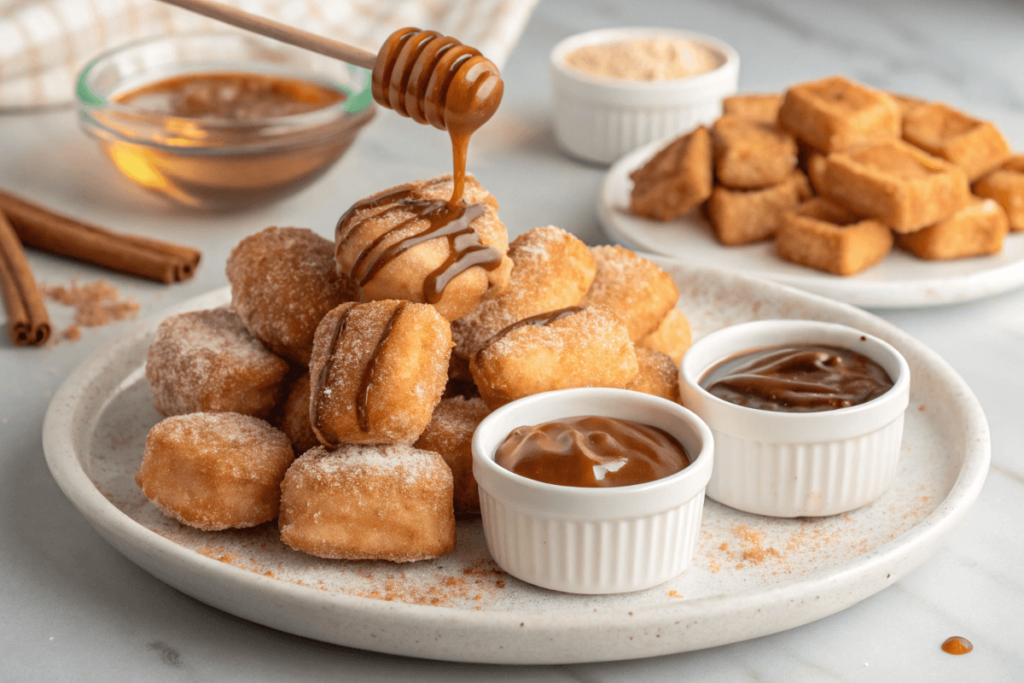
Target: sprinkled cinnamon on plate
point(96, 304)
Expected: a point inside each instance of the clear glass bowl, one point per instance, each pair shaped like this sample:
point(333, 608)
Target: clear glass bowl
point(219, 163)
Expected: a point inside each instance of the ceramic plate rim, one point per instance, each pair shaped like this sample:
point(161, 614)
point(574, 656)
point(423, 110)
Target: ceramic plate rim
point(881, 294)
point(913, 546)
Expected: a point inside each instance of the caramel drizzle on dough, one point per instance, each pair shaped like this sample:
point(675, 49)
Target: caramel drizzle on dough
point(321, 381)
point(539, 320)
point(446, 220)
point(363, 395)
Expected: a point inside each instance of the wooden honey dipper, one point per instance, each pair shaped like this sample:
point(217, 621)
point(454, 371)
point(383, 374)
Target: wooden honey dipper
point(430, 78)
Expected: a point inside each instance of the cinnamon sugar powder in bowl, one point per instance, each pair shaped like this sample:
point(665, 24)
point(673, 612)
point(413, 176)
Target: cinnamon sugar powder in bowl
point(221, 120)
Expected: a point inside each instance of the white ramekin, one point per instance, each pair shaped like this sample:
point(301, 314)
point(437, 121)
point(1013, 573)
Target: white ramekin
point(599, 119)
point(592, 540)
point(798, 464)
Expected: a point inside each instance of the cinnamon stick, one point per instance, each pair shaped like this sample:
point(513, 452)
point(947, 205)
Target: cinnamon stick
point(27, 321)
point(140, 256)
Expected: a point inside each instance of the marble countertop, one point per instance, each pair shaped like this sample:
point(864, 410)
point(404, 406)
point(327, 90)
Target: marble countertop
point(75, 609)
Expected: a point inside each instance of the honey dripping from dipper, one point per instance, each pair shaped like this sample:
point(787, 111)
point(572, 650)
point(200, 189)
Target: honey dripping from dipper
point(436, 80)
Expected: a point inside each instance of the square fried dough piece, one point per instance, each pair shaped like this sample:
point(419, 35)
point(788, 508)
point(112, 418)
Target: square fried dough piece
point(577, 347)
point(752, 154)
point(676, 180)
point(823, 235)
point(640, 293)
point(940, 130)
point(672, 337)
point(897, 183)
point(975, 230)
point(1006, 186)
point(377, 371)
point(368, 503)
point(745, 216)
point(835, 114)
point(754, 106)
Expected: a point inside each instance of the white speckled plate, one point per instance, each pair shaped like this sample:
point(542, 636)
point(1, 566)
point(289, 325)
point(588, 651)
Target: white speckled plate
point(899, 281)
point(751, 575)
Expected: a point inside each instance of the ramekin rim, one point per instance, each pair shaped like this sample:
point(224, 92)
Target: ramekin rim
point(899, 386)
point(556, 59)
point(694, 470)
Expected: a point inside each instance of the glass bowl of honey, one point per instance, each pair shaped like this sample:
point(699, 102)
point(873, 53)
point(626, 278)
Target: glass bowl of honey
point(222, 120)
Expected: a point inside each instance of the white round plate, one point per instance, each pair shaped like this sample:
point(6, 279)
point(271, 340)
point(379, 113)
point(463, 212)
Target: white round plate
point(751, 575)
point(899, 281)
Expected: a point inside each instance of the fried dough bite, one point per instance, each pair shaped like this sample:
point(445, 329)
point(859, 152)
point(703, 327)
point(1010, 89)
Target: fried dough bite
point(283, 282)
point(450, 433)
point(672, 337)
point(658, 375)
point(675, 180)
point(384, 243)
point(293, 416)
point(763, 107)
point(572, 347)
point(378, 369)
point(207, 361)
point(635, 289)
point(215, 471)
point(552, 270)
point(751, 155)
point(368, 503)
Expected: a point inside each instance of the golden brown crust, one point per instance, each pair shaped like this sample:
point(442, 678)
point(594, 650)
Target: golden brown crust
point(745, 216)
point(404, 276)
point(283, 282)
point(942, 131)
point(293, 418)
point(835, 114)
point(823, 235)
point(896, 183)
point(1006, 186)
point(553, 270)
point(207, 361)
point(215, 471)
point(632, 287)
point(450, 434)
point(672, 337)
point(657, 375)
point(752, 154)
point(976, 230)
point(407, 379)
point(676, 180)
point(754, 106)
point(589, 348)
point(368, 503)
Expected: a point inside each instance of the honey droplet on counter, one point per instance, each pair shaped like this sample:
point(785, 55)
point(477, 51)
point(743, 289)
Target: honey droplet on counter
point(957, 645)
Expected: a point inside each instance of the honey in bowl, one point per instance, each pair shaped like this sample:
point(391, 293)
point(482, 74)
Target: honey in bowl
point(221, 121)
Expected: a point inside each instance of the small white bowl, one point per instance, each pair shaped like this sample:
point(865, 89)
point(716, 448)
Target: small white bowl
point(592, 540)
point(598, 118)
point(798, 464)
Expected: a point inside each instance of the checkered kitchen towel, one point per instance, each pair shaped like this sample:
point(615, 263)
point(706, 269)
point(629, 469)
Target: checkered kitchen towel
point(44, 43)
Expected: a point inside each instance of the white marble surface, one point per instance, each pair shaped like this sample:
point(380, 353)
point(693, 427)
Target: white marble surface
point(75, 609)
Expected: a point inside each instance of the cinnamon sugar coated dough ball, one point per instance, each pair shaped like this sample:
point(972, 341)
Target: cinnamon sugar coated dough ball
point(450, 434)
point(658, 375)
point(672, 336)
point(552, 270)
point(207, 361)
point(635, 289)
point(368, 503)
point(215, 471)
point(371, 227)
point(293, 418)
point(378, 370)
point(283, 282)
point(586, 348)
